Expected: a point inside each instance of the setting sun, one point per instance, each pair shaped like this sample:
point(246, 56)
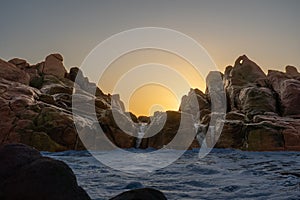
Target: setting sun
point(150, 80)
point(153, 97)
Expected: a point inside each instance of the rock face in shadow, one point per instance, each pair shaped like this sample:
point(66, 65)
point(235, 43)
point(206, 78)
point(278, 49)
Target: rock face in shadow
point(262, 110)
point(172, 130)
point(141, 194)
point(243, 108)
point(36, 107)
point(25, 174)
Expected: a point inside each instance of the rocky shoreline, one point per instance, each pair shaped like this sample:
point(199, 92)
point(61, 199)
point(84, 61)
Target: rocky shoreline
point(26, 174)
point(262, 111)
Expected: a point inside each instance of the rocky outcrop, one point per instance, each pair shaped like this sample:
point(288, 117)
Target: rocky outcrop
point(245, 73)
point(286, 85)
point(53, 65)
point(173, 130)
point(120, 128)
point(10, 72)
point(26, 174)
point(262, 110)
point(243, 108)
point(141, 194)
point(195, 101)
point(257, 100)
point(290, 97)
point(36, 107)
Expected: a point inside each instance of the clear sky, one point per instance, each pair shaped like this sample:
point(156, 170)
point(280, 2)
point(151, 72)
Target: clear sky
point(268, 31)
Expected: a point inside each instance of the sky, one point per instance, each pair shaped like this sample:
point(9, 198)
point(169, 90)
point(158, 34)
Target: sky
point(267, 31)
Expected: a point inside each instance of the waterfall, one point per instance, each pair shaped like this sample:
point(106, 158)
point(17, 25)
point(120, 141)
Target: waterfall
point(200, 131)
point(141, 132)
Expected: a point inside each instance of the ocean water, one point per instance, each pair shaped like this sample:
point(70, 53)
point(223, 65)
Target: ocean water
point(222, 174)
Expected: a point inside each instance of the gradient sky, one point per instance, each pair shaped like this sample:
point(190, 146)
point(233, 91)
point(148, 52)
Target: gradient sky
point(268, 31)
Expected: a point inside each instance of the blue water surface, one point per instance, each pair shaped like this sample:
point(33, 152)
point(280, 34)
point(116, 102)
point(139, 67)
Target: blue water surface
point(222, 174)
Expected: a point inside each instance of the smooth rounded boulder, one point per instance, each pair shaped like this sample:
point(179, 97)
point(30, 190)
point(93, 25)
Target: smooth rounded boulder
point(141, 194)
point(27, 175)
point(54, 66)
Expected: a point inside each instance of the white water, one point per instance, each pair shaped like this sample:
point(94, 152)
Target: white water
point(141, 133)
point(200, 135)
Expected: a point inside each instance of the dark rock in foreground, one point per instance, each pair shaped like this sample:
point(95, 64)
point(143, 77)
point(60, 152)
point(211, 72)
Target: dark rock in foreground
point(25, 174)
point(141, 194)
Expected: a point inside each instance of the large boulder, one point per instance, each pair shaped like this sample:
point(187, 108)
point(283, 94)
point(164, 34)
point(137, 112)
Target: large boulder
point(174, 130)
point(59, 127)
point(141, 194)
point(286, 85)
point(20, 63)
point(264, 136)
point(245, 73)
point(76, 75)
point(232, 135)
point(144, 119)
point(291, 136)
point(25, 174)
point(257, 100)
point(290, 97)
point(275, 79)
point(54, 66)
point(195, 101)
point(119, 127)
point(10, 72)
point(289, 129)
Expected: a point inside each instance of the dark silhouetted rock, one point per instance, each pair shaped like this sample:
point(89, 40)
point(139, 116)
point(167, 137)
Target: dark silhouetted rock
point(77, 76)
point(27, 175)
point(289, 128)
point(175, 131)
point(141, 194)
point(144, 119)
point(120, 127)
point(232, 135)
point(194, 99)
point(264, 136)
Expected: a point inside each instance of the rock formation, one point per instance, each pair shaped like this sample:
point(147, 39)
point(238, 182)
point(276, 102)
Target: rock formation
point(250, 110)
point(36, 106)
point(141, 194)
point(25, 174)
point(262, 110)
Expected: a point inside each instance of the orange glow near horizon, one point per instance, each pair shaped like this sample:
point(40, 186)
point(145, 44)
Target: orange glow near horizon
point(150, 98)
point(128, 72)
